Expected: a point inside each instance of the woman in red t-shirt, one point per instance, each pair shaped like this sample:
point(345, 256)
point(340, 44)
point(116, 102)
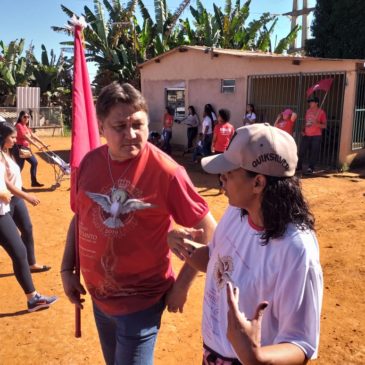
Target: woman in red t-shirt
point(222, 135)
point(286, 121)
point(22, 152)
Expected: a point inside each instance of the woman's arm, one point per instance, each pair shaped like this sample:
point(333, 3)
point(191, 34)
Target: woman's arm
point(34, 136)
point(277, 120)
point(213, 141)
point(245, 337)
point(20, 193)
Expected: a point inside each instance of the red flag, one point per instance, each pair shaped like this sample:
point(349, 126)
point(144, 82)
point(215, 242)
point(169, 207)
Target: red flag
point(324, 85)
point(85, 133)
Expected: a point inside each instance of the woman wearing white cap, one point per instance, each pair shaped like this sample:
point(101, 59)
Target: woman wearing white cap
point(264, 286)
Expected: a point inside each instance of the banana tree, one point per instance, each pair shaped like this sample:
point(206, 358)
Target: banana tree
point(159, 35)
point(14, 68)
point(51, 75)
point(109, 40)
point(206, 32)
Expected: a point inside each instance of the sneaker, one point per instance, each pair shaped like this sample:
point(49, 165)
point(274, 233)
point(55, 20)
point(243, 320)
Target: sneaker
point(310, 171)
point(37, 184)
point(40, 301)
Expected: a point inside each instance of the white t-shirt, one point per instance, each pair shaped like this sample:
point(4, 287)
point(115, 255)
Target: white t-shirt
point(13, 172)
point(286, 272)
point(191, 120)
point(251, 117)
point(207, 122)
point(4, 208)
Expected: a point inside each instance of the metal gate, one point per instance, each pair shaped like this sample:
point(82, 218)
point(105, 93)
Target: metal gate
point(358, 127)
point(271, 94)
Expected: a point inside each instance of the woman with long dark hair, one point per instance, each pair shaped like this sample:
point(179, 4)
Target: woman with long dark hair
point(264, 283)
point(15, 248)
point(22, 151)
point(192, 121)
point(18, 209)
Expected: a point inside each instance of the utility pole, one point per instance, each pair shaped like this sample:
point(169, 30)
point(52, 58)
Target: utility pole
point(294, 14)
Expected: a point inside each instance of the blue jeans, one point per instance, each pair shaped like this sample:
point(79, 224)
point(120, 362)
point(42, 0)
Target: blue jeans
point(129, 339)
point(166, 135)
point(207, 144)
point(31, 160)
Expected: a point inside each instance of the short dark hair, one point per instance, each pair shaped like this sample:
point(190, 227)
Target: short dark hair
point(116, 93)
point(225, 114)
point(313, 98)
point(283, 203)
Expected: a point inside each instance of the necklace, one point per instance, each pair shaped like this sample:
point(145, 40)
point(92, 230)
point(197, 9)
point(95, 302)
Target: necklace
point(122, 175)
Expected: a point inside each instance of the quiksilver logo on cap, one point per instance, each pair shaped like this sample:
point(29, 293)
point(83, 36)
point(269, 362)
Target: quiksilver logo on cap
point(268, 157)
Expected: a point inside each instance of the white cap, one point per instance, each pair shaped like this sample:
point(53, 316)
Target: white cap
point(259, 148)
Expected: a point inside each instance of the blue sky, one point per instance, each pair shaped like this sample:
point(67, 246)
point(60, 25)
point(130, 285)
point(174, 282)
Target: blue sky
point(32, 19)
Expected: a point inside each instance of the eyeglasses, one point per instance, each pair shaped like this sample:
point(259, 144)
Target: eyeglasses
point(26, 116)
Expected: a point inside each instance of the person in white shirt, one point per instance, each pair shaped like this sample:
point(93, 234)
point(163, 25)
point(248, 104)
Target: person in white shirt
point(18, 209)
point(264, 283)
point(250, 116)
point(207, 130)
point(10, 239)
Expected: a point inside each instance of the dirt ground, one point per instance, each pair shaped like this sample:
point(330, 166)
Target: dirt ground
point(47, 337)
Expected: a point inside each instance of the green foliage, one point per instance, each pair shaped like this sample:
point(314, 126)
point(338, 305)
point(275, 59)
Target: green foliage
point(338, 29)
point(14, 67)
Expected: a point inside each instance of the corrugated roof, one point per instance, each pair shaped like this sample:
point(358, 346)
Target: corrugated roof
point(241, 53)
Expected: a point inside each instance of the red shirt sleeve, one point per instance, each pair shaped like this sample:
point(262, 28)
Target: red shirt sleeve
point(186, 206)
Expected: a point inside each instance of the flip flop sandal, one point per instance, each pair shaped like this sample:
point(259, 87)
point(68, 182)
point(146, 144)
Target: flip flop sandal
point(40, 269)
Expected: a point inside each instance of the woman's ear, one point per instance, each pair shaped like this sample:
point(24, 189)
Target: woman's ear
point(259, 183)
point(101, 128)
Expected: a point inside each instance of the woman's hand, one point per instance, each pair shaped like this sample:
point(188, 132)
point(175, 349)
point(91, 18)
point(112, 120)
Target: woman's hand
point(5, 196)
point(242, 333)
point(32, 199)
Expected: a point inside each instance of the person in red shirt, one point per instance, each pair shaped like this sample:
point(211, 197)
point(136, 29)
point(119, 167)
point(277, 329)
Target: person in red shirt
point(129, 192)
point(286, 121)
point(168, 121)
point(222, 135)
point(315, 122)
point(25, 137)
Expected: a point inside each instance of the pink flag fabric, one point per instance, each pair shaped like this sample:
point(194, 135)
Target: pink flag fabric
point(324, 85)
point(85, 133)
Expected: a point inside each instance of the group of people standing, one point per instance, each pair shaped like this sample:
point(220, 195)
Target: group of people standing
point(213, 134)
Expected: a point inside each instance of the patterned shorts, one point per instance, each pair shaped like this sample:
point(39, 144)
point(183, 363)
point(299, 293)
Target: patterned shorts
point(211, 357)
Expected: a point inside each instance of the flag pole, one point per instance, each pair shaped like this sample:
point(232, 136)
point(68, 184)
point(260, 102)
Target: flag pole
point(77, 273)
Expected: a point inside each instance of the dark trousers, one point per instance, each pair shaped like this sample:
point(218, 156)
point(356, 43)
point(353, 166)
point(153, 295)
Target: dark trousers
point(14, 246)
point(166, 135)
point(207, 144)
point(310, 145)
point(192, 132)
point(20, 215)
point(31, 160)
